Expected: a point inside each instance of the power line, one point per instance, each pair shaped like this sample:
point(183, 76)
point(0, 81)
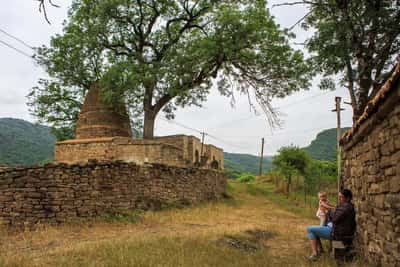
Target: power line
point(180, 124)
point(225, 142)
point(16, 49)
point(201, 132)
point(292, 133)
point(305, 99)
point(284, 106)
point(232, 144)
point(16, 38)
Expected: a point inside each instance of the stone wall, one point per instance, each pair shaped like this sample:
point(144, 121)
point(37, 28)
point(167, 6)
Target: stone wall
point(56, 192)
point(372, 172)
point(139, 151)
point(177, 150)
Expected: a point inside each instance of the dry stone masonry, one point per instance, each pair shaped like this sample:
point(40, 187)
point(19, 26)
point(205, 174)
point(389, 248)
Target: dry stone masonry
point(177, 150)
point(372, 172)
point(106, 170)
point(57, 192)
point(104, 133)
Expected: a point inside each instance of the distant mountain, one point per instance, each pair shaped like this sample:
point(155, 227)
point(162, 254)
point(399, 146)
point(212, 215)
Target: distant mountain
point(323, 147)
point(246, 163)
point(24, 143)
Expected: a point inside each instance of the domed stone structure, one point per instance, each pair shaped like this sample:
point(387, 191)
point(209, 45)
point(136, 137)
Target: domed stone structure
point(97, 120)
point(104, 133)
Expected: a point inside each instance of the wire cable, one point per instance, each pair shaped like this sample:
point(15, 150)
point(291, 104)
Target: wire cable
point(16, 38)
point(305, 99)
point(16, 49)
point(180, 124)
point(284, 106)
point(200, 132)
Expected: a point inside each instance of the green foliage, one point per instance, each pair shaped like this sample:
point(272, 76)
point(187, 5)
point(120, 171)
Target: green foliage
point(358, 40)
point(54, 104)
point(324, 146)
point(319, 175)
point(246, 178)
point(160, 55)
point(232, 173)
point(235, 164)
point(291, 160)
point(310, 174)
point(23, 143)
point(127, 217)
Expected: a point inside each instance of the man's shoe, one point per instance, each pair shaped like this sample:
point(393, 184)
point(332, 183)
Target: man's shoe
point(314, 257)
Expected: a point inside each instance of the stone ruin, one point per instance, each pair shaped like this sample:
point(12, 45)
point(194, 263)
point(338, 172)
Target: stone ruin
point(372, 172)
point(106, 170)
point(103, 133)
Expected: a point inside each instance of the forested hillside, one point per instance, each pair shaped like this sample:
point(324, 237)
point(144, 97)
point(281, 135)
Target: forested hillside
point(323, 147)
point(24, 143)
point(240, 163)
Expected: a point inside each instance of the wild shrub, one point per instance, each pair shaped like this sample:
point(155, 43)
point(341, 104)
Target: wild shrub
point(247, 178)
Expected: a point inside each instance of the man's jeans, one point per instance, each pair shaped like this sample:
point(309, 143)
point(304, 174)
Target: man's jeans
point(315, 232)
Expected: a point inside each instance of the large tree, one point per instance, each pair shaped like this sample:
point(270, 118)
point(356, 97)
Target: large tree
point(355, 40)
point(158, 55)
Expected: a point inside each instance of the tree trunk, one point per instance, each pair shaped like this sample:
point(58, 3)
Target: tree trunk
point(289, 181)
point(148, 127)
point(365, 84)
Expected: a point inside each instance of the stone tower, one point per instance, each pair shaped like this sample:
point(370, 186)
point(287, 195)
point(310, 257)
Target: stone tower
point(97, 120)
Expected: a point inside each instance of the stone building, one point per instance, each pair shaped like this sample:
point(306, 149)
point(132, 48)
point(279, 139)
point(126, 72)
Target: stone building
point(103, 171)
point(103, 133)
point(372, 172)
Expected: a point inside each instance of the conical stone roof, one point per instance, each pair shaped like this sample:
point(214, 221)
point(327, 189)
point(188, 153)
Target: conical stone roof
point(98, 120)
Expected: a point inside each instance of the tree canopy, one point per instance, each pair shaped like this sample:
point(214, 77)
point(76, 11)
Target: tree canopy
point(291, 158)
point(159, 55)
point(357, 40)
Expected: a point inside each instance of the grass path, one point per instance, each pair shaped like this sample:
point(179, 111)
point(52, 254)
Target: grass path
point(253, 228)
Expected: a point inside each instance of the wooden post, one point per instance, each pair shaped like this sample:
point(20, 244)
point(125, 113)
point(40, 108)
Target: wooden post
point(261, 156)
point(338, 136)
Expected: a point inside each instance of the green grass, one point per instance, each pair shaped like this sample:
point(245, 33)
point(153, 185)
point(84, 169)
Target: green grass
point(291, 204)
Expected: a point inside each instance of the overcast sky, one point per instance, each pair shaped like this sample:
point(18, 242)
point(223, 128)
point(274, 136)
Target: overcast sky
point(235, 129)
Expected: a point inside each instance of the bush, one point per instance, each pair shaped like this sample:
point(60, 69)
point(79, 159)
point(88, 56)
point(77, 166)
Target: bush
point(232, 173)
point(246, 178)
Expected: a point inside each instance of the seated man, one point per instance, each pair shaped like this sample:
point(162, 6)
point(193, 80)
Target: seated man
point(341, 225)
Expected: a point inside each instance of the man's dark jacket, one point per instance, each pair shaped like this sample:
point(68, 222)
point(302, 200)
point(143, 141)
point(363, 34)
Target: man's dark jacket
point(344, 222)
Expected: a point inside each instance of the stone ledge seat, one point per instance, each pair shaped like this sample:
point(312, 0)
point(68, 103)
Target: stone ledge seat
point(343, 250)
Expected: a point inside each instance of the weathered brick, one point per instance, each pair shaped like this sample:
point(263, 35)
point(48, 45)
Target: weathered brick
point(374, 188)
point(395, 184)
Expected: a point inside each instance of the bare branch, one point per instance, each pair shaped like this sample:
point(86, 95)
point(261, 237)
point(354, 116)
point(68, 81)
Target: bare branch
point(295, 3)
point(188, 25)
point(300, 20)
point(42, 6)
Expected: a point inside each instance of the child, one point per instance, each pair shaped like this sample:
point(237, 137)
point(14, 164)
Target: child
point(323, 208)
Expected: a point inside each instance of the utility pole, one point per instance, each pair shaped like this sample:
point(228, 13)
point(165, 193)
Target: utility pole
point(202, 144)
point(338, 136)
point(262, 155)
